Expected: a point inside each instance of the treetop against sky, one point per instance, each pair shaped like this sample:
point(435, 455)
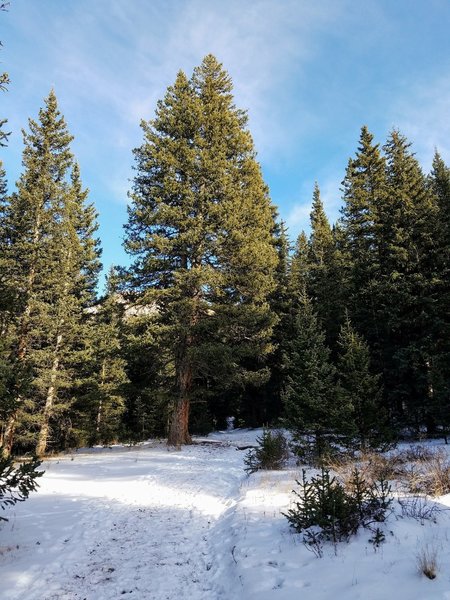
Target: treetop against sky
point(309, 74)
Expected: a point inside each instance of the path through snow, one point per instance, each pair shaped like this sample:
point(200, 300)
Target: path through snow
point(136, 523)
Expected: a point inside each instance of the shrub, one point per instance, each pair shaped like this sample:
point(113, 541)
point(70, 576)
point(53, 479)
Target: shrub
point(416, 453)
point(16, 483)
point(419, 508)
point(377, 538)
point(271, 452)
point(373, 467)
point(326, 511)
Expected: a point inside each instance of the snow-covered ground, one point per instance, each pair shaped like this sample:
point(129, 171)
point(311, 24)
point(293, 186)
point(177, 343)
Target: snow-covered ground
point(152, 524)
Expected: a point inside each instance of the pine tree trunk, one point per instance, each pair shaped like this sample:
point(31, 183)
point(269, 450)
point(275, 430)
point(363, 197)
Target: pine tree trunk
point(41, 445)
point(179, 426)
point(7, 437)
point(51, 392)
point(100, 404)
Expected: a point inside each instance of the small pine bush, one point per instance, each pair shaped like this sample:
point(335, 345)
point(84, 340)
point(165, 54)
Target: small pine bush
point(16, 483)
point(326, 511)
point(270, 454)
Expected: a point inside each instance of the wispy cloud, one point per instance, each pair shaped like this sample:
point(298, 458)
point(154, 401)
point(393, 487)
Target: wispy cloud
point(310, 74)
point(111, 57)
point(423, 116)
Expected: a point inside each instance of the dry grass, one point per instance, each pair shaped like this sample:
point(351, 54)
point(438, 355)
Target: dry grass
point(372, 466)
point(427, 561)
point(431, 476)
point(417, 470)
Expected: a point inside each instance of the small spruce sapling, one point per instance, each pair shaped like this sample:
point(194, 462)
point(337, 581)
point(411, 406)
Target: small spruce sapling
point(270, 454)
point(327, 511)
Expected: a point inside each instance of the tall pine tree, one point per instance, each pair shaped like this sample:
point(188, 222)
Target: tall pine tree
point(54, 261)
point(365, 190)
point(407, 274)
point(201, 226)
point(439, 181)
point(390, 259)
point(324, 281)
point(299, 269)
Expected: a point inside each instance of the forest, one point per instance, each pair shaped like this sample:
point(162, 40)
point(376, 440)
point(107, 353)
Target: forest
point(341, 336)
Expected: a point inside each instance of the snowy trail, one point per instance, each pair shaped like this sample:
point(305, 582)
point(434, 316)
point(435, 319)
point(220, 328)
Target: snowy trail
point(138, 523)
point(148, 524)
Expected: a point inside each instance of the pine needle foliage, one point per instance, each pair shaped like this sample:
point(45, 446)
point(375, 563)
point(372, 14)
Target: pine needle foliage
point(270, 454)
point(16, 482)
point(315, 414)
point(360, 389)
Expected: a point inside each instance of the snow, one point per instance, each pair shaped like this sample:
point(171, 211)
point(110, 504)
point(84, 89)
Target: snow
point(152, 524)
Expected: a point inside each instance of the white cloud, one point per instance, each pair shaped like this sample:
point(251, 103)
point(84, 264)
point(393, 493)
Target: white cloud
point(423, 116)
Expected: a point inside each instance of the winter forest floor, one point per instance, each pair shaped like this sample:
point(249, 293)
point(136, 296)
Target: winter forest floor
point(153, 524)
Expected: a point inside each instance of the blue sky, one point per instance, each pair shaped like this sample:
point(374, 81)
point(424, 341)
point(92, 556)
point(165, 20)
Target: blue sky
point(310, 73)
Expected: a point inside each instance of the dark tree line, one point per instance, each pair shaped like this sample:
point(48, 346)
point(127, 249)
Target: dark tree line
point(377, 286)
point(345, 337)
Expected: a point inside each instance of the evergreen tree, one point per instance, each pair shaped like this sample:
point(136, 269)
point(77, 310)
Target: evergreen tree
point(324, 285)
point(299, 269)
point(365, 190)
point(101, 398)
point(359, 389)
point(149, 374)
point(439, 389)
point(201, 227)
point(6, 292)
point(321, 240)
point(281, 305)
point(76, 265)
point(310, 401)
point(55, 262)
point(389, 255)
point(8, 307)
point(407, 232)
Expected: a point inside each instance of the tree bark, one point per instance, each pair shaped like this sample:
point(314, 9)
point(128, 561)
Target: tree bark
point(7, 437)
point(41, 445)
point(179, 425)
point(100, 404)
